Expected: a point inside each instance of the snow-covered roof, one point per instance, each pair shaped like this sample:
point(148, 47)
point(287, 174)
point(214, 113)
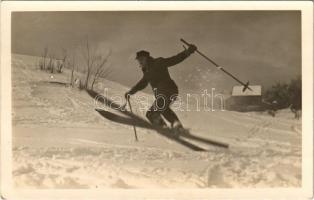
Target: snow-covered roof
point(238, 90)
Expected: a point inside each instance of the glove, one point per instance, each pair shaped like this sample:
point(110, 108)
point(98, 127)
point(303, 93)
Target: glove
point(127, 95)
point(192, 48)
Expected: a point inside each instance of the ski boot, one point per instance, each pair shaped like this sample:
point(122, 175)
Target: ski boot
point(156, 121)
point(178, 129)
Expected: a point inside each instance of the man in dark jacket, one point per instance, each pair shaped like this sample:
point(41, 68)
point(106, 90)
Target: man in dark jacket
point(155, 73)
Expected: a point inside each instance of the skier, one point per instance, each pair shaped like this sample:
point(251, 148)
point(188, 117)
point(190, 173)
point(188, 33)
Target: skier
point(155, 73)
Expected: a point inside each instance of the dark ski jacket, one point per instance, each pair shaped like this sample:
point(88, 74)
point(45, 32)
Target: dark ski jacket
point(157, 75)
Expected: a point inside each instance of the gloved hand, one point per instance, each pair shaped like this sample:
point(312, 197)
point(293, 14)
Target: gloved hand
point(127, 95)
point(192, 48)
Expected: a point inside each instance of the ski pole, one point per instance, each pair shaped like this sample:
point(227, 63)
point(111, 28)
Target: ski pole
point(134, 128)
point(246, 85)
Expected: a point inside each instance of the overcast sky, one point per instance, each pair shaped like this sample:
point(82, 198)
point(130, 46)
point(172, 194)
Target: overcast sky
point(261, 46)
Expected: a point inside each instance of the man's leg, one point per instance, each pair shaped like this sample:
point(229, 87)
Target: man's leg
point(171, 117)
point(153, 115)
point(169, 114)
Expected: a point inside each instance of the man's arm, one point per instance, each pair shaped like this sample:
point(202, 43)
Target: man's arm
point(139, 86)
point(179, 57)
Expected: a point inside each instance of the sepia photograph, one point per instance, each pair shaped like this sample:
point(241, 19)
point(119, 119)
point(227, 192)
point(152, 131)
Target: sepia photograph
point(139, 98)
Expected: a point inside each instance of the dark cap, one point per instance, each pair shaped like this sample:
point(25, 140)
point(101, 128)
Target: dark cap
point(142, 53)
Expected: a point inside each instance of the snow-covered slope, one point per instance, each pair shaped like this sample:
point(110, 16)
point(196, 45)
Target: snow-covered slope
point(60, 141)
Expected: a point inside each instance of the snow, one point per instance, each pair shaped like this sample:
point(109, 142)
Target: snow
point(60, 141)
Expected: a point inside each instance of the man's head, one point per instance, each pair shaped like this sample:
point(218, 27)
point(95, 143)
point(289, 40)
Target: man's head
point(142, 57)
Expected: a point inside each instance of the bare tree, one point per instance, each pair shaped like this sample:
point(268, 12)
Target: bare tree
point(50, 66)
point(90, 59)
point(62, 62)
point(101, 71)
point(95, 65)
point(42, 63)
point(72, 70)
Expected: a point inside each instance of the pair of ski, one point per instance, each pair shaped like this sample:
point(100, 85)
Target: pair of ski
point(166, 132)
point(185, 138)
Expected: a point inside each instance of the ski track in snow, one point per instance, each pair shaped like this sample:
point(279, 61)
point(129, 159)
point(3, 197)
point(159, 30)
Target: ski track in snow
point(59, 141)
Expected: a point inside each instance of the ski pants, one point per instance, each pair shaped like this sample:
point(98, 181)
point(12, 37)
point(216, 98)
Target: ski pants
point(161, 106)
